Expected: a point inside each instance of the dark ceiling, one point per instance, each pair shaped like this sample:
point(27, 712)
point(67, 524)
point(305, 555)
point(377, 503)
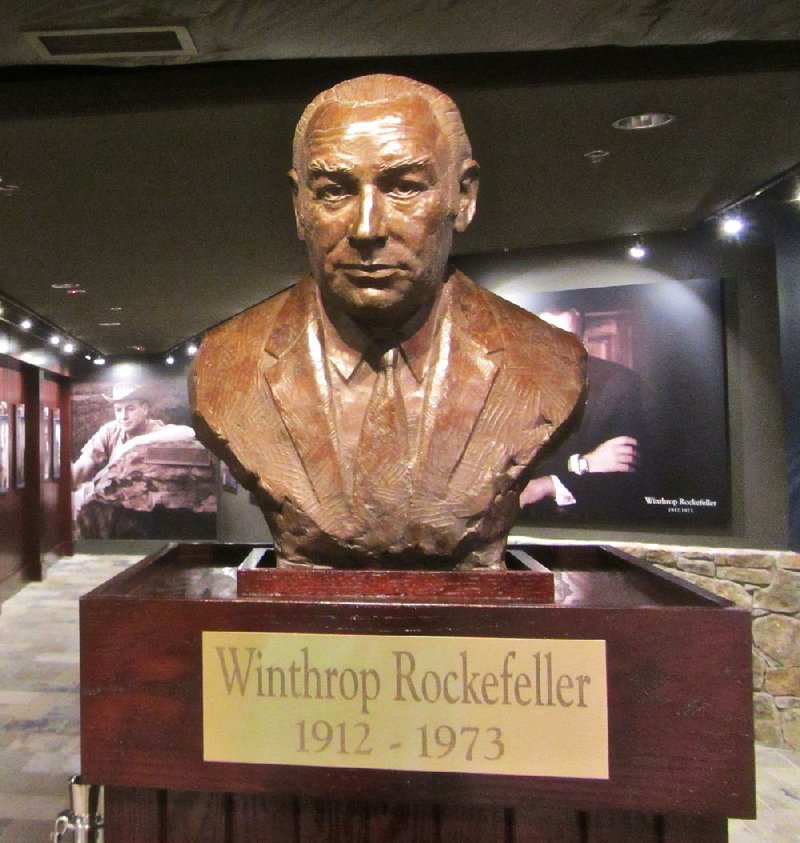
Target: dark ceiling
point(161, 190)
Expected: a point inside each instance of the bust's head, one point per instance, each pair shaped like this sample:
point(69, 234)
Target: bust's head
point(382, 175)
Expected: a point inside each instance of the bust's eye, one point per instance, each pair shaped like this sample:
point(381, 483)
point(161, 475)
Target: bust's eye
point(406, 188)
point(330, 191)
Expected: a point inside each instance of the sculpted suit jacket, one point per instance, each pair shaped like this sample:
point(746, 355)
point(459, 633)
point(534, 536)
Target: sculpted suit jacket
point(499, 383)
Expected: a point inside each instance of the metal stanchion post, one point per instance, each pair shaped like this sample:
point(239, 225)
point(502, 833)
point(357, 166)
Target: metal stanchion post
point(85, 816)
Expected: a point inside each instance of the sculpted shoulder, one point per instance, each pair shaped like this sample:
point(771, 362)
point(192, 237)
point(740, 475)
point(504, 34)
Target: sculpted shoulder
point(227, 360)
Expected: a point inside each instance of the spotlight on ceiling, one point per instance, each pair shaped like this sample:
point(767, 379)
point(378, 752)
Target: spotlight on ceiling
point(169, 360)
point(99, 361)
point(191, 349)
point(637, 251)
point(26, 324)
point(68, 348)
point(647, 120)
point(87, 356)
point(731, 226)
point(55, 340)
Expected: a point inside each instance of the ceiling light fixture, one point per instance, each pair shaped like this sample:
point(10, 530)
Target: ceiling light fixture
point(68, 348)
point(191, 349)
point(65, 285)
point(169, 360)
point(76, 291)
point(55, 340)
point(637, 251)
point(99, 361)
point(731, 226)
point(647, 120)
point(109, 324)
point(7, 188)
point(595, 156)
point(26, 324)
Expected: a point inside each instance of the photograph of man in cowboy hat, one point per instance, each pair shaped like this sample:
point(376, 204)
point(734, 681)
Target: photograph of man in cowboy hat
point(131, 426)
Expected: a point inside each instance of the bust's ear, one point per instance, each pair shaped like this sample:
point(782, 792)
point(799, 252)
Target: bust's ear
point(468, 179)
point(294, 184)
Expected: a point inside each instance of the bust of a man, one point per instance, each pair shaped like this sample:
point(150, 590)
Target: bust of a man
point(384, 411)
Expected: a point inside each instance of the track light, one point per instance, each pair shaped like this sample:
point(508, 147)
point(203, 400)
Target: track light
point(732, 226)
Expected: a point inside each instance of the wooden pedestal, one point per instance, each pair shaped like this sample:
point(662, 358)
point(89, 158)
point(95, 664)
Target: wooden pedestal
point(679, 705)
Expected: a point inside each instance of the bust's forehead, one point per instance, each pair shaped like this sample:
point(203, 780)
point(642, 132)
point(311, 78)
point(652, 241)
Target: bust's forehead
point(402, 121)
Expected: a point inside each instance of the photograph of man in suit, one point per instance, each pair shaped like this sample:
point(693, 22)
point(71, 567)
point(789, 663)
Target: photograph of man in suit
point(385, 409)
point(592, 471)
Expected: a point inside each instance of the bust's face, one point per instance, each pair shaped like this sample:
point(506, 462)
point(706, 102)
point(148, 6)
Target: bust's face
point(377, 196)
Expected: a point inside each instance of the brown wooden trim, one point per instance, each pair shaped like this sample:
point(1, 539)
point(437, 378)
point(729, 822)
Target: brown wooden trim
point(32, 510)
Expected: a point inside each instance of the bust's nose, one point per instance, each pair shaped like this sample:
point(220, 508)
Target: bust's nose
point(369, 223)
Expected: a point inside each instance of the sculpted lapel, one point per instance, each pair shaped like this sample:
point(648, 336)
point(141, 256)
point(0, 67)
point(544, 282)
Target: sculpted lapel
point(295, 374)
point(459, 383)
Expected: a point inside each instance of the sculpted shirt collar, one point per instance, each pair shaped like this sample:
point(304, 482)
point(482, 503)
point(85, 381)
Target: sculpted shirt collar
point(347, 357)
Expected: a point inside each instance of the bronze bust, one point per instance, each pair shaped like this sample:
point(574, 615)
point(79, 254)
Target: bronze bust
point(384, 411)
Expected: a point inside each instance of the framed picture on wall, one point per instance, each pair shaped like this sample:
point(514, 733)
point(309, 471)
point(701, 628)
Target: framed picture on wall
point(649, 446)
point(5, 448)
point(19, 446)
point(56, 443)
point(47, 444)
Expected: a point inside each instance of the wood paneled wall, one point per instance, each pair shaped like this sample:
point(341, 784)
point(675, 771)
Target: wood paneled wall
point(35, 518)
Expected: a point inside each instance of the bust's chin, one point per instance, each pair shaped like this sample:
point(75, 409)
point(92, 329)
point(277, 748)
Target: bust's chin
point(379, 307)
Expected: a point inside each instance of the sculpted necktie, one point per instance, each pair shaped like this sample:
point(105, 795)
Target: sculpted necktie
point(381, 483)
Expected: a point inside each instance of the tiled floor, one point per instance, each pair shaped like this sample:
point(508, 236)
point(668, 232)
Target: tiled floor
point(39, 743)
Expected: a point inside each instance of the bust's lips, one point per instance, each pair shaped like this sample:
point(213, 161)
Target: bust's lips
point(370, 271)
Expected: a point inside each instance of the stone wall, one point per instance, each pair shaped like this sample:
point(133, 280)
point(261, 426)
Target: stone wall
point(767, 583)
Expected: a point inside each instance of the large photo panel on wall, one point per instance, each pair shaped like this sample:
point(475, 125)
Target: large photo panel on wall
point(650, 444)
point(138, 470)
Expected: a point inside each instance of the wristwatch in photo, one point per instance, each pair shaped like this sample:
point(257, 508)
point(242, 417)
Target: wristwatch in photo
point(578, 464)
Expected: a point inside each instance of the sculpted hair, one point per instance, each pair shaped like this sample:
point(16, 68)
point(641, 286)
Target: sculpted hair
point(383, 87)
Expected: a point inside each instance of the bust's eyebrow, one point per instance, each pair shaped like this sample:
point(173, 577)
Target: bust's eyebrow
point(317, 167)
point(407, 165)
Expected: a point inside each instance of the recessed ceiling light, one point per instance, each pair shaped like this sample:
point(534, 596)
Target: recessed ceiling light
point(191, 349)
point(99, 361)
point(87, 356)
point(595, 156)
point(637, 252)
point(169, 360)
point(26, 324)
point(648, 120)
point(68, 348)
point(109, 324)
point(65, 285)
point(55, 340)
point(138, 348)
point(116, 309)
point(77, 291)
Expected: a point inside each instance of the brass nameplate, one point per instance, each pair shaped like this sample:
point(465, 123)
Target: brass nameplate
point(174, 455)
point(512, 706)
